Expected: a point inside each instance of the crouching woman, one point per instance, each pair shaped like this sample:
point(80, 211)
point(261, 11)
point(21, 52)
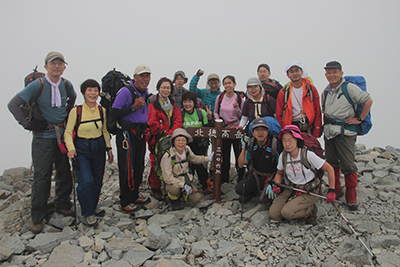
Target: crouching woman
point(291, 169)
point(178, 180)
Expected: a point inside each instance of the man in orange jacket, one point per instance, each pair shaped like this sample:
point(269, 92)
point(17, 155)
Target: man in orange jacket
point(298, 102)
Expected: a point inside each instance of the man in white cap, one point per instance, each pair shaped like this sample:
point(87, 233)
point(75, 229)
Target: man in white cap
point(130, 109)
point(57, 99)
point(298, 102)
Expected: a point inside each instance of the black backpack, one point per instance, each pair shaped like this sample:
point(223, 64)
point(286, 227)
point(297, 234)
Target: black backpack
point(111, 83)
point(31, 110)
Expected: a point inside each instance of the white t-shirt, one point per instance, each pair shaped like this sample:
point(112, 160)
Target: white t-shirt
point(295, 105)
point(297, 177)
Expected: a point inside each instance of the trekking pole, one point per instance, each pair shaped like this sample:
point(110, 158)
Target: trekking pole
point(244, 187)
point(76, 164)
point(374, 261)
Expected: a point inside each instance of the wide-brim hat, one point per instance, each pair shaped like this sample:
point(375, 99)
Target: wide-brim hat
point(291, 129)
point(182, 73)
point(181, 132)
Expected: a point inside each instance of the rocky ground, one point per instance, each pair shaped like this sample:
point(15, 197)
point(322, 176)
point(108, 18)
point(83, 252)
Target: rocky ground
point(209, 234)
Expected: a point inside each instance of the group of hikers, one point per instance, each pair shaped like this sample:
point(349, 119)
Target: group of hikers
point(275, 119)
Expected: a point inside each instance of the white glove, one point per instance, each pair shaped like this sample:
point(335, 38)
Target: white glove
point(270, 193)
point(188, 189)
point(211, 157)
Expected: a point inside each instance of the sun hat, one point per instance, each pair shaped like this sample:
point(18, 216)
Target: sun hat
point(291, 129)
point(259, 122)
point(253, 81)
point(212, 76)
point(182, 73)
point(181, 132)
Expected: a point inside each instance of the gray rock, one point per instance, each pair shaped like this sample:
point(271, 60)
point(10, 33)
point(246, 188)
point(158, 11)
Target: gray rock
point(156, 238)
point(143, 214)
point(225, 247)
point(114, 263)
point(138, 255)
point(61, 222)
point(201, 247)
point(45, 243)
point(260, 219)
point(384, 241)
point(65, 255)
point(16, 244)
point(5, 253)
point(174, 247)
point(163, 220)
point(116, 254)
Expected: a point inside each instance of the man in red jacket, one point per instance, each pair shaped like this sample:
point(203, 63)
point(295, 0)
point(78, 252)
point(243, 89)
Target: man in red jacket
point(298, 102)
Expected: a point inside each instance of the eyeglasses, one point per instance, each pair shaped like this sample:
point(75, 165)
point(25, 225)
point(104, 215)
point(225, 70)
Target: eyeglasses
point(53, 63)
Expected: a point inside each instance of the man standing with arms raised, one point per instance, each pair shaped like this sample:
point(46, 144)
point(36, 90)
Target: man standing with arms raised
point(57, 100)
point(130, 108)
point(339, 148)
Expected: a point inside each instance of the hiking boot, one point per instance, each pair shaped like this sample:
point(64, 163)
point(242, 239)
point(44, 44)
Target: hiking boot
point(175, 204)
point(91, 221)
point(353, 206)
point(312, 218)
point(100, 212)
point(142, 200)
point(68, 212)
point(130, 209)
point(36, 228)
point(157, 194)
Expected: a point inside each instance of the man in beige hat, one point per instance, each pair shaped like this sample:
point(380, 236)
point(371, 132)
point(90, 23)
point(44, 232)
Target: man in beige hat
point(55, 103)
point(130, 109)
point(212, 90)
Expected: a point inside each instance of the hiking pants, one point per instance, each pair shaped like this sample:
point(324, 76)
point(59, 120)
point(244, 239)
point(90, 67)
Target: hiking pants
point(174, 193)
point(91, 155)
point(226, 156)
point(341, 153)
point(250, 188)
point(45, 153)
point(154, 181)
point(138, 149)
point(202, 172)
point(298, 207)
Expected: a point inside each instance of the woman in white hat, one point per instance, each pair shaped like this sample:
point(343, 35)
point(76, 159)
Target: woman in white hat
point(176, 174)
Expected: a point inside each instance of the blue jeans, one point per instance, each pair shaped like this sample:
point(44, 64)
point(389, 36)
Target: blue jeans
point(45, 153)
point(91, 155)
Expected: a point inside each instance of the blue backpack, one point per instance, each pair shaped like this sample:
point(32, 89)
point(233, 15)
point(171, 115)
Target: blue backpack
point(365, 125)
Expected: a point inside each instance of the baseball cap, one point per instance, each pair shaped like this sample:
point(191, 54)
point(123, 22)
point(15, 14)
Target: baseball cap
point(259, 122)
point(333, 65)
point(142, 69)
point(293, 63)
point(293, 129)
point(213, 76)
point(54, 55)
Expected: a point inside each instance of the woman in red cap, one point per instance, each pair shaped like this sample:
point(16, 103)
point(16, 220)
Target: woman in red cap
point(292, 204)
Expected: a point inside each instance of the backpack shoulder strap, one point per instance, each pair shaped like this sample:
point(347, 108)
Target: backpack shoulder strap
point(284, 163)
point(274, 147)
point(101, 113)
point(309, 91)
point(286, 92)
point(200, 115)
point(239, 97)
point(268, 104)
point(220, 97)
point(40, 91)
point(78, 118)
point(66, 86)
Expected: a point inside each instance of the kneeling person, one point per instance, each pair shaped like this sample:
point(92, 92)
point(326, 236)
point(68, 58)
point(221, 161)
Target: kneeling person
point(175, 169)
point(290, 204)
point(261, 155)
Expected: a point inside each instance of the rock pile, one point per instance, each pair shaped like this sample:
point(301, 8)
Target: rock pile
point(208, 234)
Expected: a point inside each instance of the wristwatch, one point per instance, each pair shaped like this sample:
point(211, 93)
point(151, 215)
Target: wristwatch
point(359, 118)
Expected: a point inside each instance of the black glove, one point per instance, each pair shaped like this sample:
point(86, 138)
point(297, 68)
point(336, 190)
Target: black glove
point(271, 182)
point(198, 73)
point(37, 125)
